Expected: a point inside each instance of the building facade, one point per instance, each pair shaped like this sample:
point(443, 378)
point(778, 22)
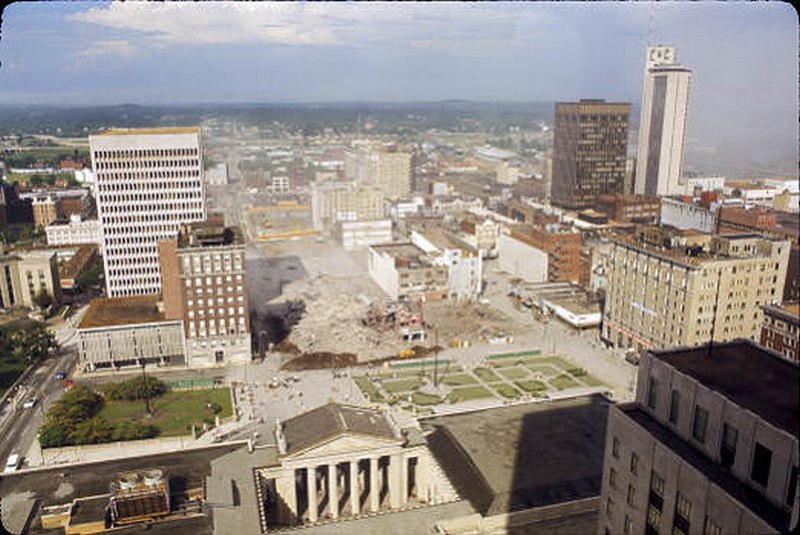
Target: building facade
point(590, 152)
point(74, 232)
point(781, 329)
point(709, 446)
point(406, 272)
point(687, 215)
point(662, 123)
point(333, 202)
point(561, 244)
point(379, 165)
point(682, 290)
point(128, 332)
point(630, 208)
point(149, 183)
point(204, 285)
point(521, 259)
point(24, 274)
point(464, 263)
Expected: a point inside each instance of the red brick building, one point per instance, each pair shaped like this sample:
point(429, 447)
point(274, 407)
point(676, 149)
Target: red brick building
point(781, 329)
point(562, 246)
point(630, 208)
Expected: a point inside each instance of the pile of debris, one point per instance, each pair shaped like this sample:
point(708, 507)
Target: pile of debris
point(405, 319)
point(332, 321)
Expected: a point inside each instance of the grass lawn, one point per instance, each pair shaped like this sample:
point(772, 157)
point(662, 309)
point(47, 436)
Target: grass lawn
point(402, 385)
point(547, 371)
point(459, 379)
point(422, 399)
point(591, 380)
point(175, 412)
point(505, 390)
point(564, 381)
point(467, 393)
point(486, 375)
point(368, 388)
point(531, 386)
point(513, 373)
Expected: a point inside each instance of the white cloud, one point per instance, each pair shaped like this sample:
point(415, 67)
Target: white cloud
point(109, 47)
point(305, 23)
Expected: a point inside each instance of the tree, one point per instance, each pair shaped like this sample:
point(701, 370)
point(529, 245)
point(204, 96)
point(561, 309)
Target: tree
point(92, 431)
point(43, 299)
point(135, 388)
point(54, 435)
point(33, 343)
point(79, 404)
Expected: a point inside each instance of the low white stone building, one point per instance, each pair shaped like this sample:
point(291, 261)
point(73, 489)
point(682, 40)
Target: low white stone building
point(74, 232)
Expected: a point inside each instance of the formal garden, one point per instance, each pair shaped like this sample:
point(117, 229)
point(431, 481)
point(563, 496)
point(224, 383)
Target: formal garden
point(139, 408)
point(506, 377)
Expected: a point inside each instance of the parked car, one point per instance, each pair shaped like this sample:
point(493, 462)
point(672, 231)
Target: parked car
point(29, 404)
point(61, 375)
point(12, 463)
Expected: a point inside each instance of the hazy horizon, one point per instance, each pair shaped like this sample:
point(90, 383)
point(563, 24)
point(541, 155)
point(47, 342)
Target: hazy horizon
point(743, 99)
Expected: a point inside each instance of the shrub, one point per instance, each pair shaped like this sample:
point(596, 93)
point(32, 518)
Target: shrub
point(135, 388)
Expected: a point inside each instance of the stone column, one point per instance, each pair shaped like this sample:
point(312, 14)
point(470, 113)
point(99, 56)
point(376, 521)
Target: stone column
point(311, 483)
point(374, 489)
point(394, 481)
point(354, 493)
point(333, 494)
point(403, 480)
point(287, 492)
point(423, 476)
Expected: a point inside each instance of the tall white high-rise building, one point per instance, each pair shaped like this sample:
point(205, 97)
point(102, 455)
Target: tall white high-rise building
point(149, 183)
point(662, 125)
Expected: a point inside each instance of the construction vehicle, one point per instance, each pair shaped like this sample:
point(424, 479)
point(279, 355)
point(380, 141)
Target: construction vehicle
point(407, 354)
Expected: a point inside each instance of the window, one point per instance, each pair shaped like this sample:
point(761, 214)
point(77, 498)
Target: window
point(683, 507)
point(609, 507)
point(762, 460)
point(710, 528)
point(627, 528)
point(631, 495)
point(700, 423)
point(657, 485)
point(615, 448)
point(653, 518)
point(674, 406)
point(727, 449)
point(651, 393)
point(634, 462)
point(612, 478)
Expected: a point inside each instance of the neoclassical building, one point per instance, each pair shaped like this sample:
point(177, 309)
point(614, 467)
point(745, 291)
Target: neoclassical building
point(340, 461)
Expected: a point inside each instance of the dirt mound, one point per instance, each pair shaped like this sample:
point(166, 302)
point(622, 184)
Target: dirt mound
point(320, 360)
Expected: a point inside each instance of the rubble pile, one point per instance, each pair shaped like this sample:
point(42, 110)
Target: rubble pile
point(333, 321)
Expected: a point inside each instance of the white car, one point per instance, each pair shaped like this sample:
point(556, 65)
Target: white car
point(29, 404)
point(12, 463)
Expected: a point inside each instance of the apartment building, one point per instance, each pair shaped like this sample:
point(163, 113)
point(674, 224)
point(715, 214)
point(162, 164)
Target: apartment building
point(781, 329)
point(204, 284)
point(710, 445)
point(682, 288)
point(45, 210)
point(149, 183)
point(589, 152)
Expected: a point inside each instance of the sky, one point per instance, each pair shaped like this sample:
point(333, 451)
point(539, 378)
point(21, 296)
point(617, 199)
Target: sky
point(744, 55)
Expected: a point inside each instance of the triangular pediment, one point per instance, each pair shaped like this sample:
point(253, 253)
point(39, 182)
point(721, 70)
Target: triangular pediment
point(344, 445)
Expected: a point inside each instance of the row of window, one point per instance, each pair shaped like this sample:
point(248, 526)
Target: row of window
point(150, 217)
point(762, 455)
point(144, 164)
point(104, 154)
point(157, 181)
point(201, 328)
point(216, 263)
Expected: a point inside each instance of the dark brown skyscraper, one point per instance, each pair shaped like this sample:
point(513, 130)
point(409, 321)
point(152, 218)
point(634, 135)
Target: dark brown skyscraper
point(590, 151)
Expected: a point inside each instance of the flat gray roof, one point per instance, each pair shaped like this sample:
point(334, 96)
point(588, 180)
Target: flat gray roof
point(751, 376)
point(523, 456)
